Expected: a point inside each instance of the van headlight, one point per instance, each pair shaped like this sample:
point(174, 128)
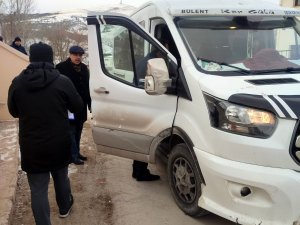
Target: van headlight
point(240, 119)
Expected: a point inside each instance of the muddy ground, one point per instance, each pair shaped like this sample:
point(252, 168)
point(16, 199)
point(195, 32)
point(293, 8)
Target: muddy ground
point(105, 194)
point(92, 198)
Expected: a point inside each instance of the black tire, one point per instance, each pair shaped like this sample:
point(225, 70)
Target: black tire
point(185, 181)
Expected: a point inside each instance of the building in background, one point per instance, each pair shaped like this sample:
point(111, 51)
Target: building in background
point(290, 3)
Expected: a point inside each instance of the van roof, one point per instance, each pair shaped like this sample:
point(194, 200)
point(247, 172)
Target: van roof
point(222, 7)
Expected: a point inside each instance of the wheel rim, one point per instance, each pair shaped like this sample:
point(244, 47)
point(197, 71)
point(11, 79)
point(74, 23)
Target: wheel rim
point(184, 180)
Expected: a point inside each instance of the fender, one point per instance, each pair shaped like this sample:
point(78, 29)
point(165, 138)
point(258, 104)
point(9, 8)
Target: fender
point(182, 134)
point(183, 138)
point(157, 141)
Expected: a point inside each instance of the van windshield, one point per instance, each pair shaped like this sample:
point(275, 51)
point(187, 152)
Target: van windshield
point(242, 44)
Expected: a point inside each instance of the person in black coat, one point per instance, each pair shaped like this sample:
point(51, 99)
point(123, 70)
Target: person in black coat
point(78, 73)
point(16, 44)
point(40, 97)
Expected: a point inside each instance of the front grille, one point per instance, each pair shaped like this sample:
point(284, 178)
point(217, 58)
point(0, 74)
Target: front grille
point(295, 144)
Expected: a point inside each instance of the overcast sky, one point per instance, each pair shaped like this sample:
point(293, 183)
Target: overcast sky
point(43, 6)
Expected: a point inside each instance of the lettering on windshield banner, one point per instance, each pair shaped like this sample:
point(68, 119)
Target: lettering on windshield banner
point(228, 11)
point(292, 13)
point(262, 12)
point(194, 11)
point(189, 11)
point(252, 11)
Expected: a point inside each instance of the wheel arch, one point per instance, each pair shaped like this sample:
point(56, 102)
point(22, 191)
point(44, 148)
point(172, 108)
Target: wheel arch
point(167, 139)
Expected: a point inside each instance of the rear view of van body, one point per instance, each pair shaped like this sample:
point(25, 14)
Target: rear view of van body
point(218, 96)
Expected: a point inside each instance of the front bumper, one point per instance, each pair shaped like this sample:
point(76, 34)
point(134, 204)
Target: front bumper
point(274, 197)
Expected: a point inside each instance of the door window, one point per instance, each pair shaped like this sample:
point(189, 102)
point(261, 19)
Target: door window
point(125, 54)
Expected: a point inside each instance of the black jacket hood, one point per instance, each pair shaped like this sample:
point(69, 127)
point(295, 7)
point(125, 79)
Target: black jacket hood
point(38, 75)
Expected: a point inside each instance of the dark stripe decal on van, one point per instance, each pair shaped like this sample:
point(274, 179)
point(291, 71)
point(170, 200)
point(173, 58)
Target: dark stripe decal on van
point(271, 103)
point(254, 101)
point(285, 112)
point(293, 101)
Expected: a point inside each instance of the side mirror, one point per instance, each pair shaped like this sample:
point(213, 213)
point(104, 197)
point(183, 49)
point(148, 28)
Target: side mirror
point(157, 78)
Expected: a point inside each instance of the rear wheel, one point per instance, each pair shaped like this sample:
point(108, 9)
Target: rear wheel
point(185, 181)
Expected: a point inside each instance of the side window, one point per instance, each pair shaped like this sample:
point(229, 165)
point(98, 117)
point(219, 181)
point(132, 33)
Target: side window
point(163, 34)
point(125, 54)
point(122, 55)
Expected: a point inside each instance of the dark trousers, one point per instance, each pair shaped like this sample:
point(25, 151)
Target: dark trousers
point(75, 130)
point(139, 168)
point(38, 183)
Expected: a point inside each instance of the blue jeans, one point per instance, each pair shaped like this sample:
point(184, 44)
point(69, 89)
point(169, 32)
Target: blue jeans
point(38, 183)
point(75, 131)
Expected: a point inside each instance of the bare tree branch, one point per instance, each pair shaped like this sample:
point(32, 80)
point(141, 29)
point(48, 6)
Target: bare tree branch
point(15, 17)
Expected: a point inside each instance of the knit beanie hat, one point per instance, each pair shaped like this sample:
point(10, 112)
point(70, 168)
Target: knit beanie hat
point(40, 52)
point(17, 39)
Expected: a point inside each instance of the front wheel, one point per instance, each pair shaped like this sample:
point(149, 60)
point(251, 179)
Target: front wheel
point(185, 181)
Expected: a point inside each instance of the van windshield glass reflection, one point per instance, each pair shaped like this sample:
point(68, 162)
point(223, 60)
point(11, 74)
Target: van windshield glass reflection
point(253, 43)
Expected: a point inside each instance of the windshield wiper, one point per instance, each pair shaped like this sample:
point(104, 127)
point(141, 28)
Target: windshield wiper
point(226, 64)
point(287, 70)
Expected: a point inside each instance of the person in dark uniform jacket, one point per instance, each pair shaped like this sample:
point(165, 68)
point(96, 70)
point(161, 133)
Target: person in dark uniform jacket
point(78, 73)
point(16, 44)
point(41, 97)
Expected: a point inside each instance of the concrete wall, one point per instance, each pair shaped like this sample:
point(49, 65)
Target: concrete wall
point(12, 62)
